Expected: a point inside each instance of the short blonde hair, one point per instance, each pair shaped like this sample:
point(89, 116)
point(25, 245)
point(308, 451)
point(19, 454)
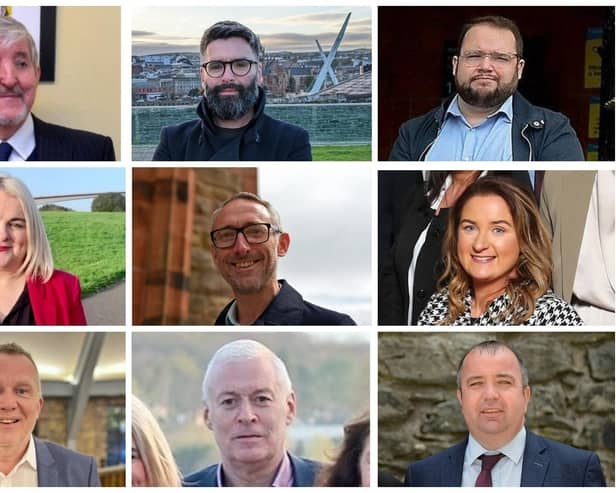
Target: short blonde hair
point(153, 448)
point(38, 263)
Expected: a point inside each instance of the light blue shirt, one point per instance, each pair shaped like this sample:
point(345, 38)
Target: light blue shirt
point(488, 141)
point(506, 472)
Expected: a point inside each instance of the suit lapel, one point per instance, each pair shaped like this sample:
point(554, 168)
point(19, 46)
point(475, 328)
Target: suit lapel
point(452, 475)
point(46, 472)
point(536, 460)
point(47, 147)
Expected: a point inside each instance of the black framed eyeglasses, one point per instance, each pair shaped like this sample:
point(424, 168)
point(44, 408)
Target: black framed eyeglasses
point(474, 58)
point(254, 234)
point(239, 67)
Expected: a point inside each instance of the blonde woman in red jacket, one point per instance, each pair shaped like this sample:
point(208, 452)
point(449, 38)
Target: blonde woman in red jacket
point(31, 291)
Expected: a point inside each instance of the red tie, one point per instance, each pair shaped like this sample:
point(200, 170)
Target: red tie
point(487, 463)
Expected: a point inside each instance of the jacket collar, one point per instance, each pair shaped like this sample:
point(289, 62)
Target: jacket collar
point(536, 460)
point(45, 465)
point(523, 112)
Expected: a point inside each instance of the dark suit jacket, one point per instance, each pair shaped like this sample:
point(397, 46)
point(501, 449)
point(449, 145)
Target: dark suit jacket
point(289, 308)
point(545, 463)
point(304, 473)
point(58, 466)
point(56, 143)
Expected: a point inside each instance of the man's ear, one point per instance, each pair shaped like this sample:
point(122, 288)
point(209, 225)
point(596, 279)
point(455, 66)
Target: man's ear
point(206, 418)
point(521, 64)
point(260, 74)
point(202, 75)
point(454, 65)
point(283, 244)
point(291, 408)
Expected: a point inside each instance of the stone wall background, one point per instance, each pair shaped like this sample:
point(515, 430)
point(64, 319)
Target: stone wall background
point(92, 437)
point(174, 280)
point(571, 378)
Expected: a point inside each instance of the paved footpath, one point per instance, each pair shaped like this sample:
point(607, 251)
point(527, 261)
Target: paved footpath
point(108, 307)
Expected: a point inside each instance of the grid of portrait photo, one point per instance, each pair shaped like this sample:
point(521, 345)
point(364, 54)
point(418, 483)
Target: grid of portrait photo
point(333, 279)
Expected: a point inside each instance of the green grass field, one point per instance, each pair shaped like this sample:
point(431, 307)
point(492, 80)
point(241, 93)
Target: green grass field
point(90, 245)
point(342, 153)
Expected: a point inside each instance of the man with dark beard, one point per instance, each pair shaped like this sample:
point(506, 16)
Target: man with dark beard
point(248, 263)
point(232, 124)
point(487, 119)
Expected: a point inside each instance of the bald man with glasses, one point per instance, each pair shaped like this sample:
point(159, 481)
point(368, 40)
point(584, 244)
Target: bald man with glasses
point(246, 240)
point(232, 123)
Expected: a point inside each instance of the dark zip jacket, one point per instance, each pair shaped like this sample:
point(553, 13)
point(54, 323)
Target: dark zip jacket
point(538, 134)
point(289, 308)
point(265, 139)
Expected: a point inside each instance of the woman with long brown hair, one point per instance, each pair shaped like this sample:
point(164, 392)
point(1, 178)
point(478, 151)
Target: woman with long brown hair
point(498, 264)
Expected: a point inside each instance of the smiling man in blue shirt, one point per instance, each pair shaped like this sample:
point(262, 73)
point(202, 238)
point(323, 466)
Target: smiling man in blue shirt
point(487, 119)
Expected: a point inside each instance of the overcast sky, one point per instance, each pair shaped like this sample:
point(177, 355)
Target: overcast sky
point(327, 211)
point(172, 29)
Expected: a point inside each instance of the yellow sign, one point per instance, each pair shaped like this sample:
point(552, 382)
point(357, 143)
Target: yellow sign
point(593, 117)
point(592, 60)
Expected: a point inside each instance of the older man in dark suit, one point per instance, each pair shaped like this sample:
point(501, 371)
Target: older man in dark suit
point(493, 392)
point(24, 137)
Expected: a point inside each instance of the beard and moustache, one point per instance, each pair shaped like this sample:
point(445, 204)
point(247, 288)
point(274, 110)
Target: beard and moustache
point(484, 98)
point(232, 107)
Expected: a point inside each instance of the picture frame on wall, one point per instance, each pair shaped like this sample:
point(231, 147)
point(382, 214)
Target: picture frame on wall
point(41, 23)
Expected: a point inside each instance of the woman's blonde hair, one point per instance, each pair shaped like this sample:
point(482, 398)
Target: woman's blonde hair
point(534, 265)
point(38, 263)
point(152, 447)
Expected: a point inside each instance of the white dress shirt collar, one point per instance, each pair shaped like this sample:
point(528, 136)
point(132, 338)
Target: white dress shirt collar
point(23, 141)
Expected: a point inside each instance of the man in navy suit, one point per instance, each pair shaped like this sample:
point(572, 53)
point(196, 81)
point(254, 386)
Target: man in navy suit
point(493, 392)
point(25, 460)
point(249, 402)
point(23, 137)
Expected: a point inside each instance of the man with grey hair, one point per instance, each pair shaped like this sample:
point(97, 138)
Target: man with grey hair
point(23, 136)
point(232, 123)
point(24, 459)
point(249, 402)
point(248, 262)
point(493, 393)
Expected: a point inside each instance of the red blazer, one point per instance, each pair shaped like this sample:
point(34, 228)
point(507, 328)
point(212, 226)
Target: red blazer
point(57, 301)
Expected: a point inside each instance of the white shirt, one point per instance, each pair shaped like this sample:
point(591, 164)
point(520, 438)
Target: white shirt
point(23, 141)
point(594, 284)
point(24, 473)
point(506, 472)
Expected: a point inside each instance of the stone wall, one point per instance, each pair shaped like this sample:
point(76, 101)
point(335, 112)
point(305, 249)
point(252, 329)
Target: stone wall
point(571, 377)
point(92, 437)
point(174, 281)
point(209, 293)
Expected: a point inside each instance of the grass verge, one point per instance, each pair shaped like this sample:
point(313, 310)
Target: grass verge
point(90, 245)
point(342, 153)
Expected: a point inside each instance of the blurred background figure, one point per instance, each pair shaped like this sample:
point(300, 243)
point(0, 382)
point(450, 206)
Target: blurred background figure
point(32, 291)
point(153, 463)
point(578, 210)
point(352, 466)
